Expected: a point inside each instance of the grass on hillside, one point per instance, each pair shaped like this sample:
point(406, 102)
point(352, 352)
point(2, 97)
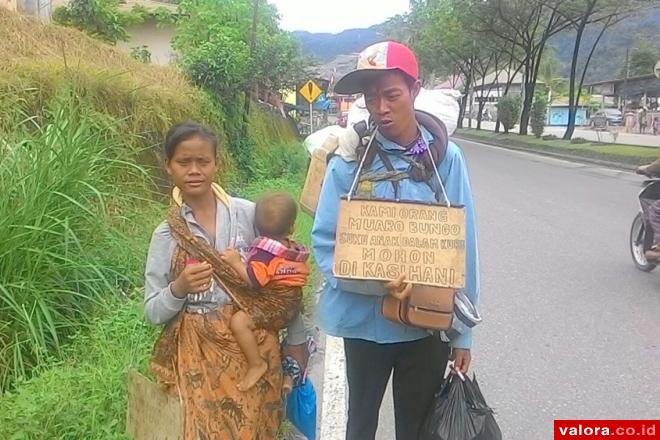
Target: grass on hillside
point(43, 61)
point(618, 153)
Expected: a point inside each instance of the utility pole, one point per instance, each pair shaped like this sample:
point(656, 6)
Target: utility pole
point(625, 81)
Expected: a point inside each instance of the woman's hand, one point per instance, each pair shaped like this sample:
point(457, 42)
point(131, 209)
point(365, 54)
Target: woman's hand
point(299, 352)
point(232, 257)
point(398, 288)
point(195, 278)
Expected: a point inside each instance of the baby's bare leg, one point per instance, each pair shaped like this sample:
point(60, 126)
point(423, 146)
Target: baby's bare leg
point(242, 327)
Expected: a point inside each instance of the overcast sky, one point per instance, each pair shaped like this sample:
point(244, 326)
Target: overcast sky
point(336, 15)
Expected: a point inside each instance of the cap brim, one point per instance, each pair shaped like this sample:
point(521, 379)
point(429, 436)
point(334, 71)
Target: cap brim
point(354, 82)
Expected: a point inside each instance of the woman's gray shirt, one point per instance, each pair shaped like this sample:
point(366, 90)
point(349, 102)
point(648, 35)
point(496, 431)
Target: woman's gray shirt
point(234, 226)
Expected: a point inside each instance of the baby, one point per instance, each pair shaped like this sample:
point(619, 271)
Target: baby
point(273, 259)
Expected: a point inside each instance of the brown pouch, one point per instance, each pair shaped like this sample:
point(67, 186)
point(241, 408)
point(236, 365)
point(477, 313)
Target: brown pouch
point(427, 307)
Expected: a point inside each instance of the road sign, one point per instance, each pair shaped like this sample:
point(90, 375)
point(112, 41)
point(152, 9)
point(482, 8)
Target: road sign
point(310, 91)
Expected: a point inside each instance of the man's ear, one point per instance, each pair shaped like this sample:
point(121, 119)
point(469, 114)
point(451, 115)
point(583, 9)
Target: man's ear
point(415, 89)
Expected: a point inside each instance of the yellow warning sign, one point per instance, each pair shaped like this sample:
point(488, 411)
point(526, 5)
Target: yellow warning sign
point(310, 91)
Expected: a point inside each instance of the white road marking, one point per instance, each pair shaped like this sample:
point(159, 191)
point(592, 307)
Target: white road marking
point(333, 415)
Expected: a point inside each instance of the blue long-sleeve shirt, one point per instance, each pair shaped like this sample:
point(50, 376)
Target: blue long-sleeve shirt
point(352, 308)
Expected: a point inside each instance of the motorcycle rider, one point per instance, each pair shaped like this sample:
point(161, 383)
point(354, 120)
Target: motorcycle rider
point(653, 169)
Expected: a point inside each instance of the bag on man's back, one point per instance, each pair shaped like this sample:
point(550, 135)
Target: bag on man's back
point(460, 412)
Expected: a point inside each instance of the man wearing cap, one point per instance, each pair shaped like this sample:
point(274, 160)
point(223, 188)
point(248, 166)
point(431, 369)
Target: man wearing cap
point(387, 75)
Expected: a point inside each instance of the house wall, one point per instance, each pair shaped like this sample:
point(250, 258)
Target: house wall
point(8, 4)
point(157, 38)
point(558, 116)
point(37, 8)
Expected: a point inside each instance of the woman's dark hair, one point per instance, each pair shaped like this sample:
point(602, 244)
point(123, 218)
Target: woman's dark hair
point(185, 131)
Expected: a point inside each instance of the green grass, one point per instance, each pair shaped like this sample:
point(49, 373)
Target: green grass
point(625, 155)
point(70, 189)
point(84, 396)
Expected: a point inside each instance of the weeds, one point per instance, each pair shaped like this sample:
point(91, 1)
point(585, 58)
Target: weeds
point(69, 191)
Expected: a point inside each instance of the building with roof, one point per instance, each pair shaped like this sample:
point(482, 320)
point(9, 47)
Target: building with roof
point(628, 93)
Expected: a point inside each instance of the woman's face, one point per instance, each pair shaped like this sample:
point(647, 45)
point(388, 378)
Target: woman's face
point(193, 166)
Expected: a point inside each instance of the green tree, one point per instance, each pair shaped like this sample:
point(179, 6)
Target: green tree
point(643, 58)
point(443, 35)
point(549, 72)
point(508, 110)
point(584, 15)
point(213, 39)
point(528, 24)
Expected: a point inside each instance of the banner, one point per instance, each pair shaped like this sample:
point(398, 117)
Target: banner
point(380, 240)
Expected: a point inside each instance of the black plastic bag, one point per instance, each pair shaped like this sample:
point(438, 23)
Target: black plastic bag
point(460, 412)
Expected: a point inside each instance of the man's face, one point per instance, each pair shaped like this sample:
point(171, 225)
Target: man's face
point(390, 102)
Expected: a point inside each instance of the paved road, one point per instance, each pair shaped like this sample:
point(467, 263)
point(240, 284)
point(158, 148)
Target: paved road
point(647, 140)
point(572, 329)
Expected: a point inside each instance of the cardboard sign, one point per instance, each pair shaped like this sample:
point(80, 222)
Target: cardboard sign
point(380, 240)
point(152, 413)
point(309, 198)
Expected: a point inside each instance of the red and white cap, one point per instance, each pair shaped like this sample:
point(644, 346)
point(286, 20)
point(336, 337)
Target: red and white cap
point(375, 59)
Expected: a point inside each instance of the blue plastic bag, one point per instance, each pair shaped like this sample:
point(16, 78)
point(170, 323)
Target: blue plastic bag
point(301, 408)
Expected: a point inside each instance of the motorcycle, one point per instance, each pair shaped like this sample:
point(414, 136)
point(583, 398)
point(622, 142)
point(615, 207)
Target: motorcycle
point(641, 232)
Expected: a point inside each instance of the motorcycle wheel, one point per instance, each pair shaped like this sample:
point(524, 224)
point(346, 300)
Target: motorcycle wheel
point(637, 234)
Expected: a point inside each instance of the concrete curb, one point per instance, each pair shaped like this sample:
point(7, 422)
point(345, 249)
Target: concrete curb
point(554, 154)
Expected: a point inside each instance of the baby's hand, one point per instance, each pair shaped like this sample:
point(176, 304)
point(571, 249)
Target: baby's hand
point(231, 257)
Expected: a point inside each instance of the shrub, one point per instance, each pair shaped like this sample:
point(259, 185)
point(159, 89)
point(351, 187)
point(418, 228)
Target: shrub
point(579, 140)
point(539, 115)
point(141, 53)
point(508, 110)
point(99, 18)
point(549, 137)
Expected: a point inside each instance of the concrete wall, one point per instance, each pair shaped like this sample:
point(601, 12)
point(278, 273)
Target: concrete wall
point(36, 8)
point(8, 4)
point(157, 38)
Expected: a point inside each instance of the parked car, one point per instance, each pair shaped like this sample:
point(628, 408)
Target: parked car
point(605, 118)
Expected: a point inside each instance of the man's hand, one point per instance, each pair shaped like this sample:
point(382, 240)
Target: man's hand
point(232, 257)
point(644, 169)
point(399, 289)
point(462, 359)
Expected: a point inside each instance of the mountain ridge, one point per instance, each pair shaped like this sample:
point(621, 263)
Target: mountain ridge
point(338, 51)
